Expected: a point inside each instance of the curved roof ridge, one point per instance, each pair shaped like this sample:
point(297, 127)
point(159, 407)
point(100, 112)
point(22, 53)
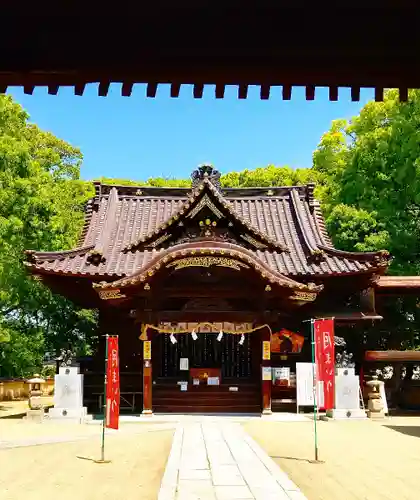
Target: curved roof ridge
point(33, 256)
point(382, 257)
point(88, 211)
point(320, 225)
point(215, 249)
point(311, 246)
point(103, 188)
point(109, 222)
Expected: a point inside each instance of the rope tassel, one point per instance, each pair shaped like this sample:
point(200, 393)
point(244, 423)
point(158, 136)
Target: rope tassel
point(212, 327)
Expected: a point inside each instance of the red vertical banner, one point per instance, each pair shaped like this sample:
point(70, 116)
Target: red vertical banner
point(325, 358)
point(112, 384)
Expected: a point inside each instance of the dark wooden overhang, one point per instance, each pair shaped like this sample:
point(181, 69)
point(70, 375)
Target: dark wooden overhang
point(398, 285)
point(393, 356)
point(350, 317)
point(219, 44)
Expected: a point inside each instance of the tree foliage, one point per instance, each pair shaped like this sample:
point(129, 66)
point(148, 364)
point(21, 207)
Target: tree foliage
point(371, 172)
point(370, 188)
point(41, 207)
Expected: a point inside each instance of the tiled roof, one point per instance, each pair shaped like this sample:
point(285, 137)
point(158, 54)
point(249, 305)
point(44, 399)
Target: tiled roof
point(120, 216)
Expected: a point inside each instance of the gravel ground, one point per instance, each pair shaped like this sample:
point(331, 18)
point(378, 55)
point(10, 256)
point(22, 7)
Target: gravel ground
point(138, 455)
point(363, 460)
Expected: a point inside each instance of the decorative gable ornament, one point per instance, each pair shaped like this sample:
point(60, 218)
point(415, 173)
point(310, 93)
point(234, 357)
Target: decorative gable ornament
point(206, 193)
point(205, 202)
point(206, 171)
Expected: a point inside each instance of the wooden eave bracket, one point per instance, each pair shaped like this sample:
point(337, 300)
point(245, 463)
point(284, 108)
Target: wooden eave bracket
point(221, 207)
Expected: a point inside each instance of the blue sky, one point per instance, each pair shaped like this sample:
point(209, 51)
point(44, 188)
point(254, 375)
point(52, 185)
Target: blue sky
point(137, 137)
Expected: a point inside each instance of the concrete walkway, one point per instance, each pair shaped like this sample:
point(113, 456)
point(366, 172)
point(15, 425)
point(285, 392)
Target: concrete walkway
point(220, 461)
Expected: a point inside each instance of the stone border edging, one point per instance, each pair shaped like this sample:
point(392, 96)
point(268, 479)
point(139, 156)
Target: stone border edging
point(292, 491)
point(170, 477)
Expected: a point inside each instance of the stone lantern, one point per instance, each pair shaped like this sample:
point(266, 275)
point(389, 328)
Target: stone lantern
point(375, 403)
point(36, 409)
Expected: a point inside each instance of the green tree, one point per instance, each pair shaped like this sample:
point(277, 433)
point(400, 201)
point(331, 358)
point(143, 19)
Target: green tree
point(371, 165)
point(41, 207)
point(370, 189)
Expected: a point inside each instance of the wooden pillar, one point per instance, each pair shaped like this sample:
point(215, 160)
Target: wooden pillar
point(266, 379)
point(147, 377)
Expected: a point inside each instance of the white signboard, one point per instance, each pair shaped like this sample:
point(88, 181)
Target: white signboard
point(347, 392)
point(305, 386)
point(183, 363)
point(266, 373)
point(68, 391)
point(213, 381)
point(281, 376)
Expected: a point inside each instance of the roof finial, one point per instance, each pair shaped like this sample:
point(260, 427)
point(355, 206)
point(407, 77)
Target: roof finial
point(208, 172)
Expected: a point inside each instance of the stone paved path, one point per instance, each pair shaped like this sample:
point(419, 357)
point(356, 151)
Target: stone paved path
point(220, 461)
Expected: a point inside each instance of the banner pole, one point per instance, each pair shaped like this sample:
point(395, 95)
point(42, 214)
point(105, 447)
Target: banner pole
point(104, 402)
point(315, 389)
point(104, 407)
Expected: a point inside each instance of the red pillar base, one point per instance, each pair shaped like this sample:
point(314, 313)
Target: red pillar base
point(147, 388)
point(267, 411)
point(265, 363)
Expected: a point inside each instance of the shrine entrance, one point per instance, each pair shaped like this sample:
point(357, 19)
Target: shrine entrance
point(206, 309)
point(231, 354)
point(207, 369)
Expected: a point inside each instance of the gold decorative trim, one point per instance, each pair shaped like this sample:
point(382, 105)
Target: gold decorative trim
point(207, 262)
point(205, 202)
point(111, 294)
point(304, 296)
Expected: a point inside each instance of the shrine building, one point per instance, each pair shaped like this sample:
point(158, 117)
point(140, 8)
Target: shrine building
point(209, 290)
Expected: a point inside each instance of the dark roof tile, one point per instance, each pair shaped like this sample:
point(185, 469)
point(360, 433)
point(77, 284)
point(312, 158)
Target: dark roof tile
point(119, 217)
